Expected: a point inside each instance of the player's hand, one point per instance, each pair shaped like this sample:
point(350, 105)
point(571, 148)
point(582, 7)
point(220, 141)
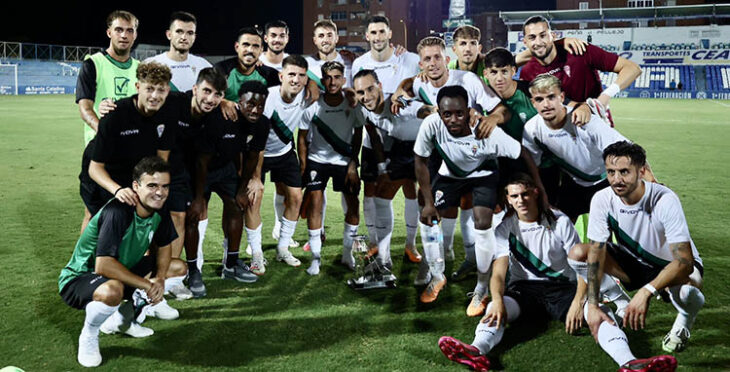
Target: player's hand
point(106, 106)
point(352, 180)
point(229, 109)
point(127, 196)
point(496, 315)
point(581, 115)
point(395, 104)
point(636, 311)
point(242, 199)
point(484, 126)
point(259, 63)
point(429, 214)
point(595, 317)
point(311, 92)
point(350, 96)
point(156, 291)
point(398, 49)
point(574, 318)
point(575, 46)
point(254, 190)
point(422, 76)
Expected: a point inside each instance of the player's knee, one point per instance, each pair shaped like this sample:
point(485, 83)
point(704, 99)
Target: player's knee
point(177, 268)
point(110, 293)
point(579, 252)
point(294, 198)
point(482, 219)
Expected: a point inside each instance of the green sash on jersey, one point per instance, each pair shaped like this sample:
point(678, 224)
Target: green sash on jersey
point(531, 262)
point(134, 244)
point(549, 155)
point(343, 148)
point(281, 129)
point(114, 80)
point(625, 241)
point(458, 171)
point(235, 79)
point(424, 97)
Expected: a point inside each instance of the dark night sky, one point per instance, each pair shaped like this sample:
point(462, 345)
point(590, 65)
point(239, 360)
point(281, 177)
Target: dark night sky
point(83, 23)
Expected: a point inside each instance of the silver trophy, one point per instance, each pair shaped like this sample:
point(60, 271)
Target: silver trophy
point(369, 272)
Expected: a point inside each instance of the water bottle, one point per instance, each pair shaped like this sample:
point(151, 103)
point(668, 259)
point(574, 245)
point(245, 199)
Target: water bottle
point(434, 248)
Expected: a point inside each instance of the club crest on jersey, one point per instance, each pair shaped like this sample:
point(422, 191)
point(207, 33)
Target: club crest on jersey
point(566, 68)
point(160, 130)
point(249, 138)
point(474, 149)
point(523, 117)
point(438, 198)
point(151, 235)
point(194, 69)
point(313, 175)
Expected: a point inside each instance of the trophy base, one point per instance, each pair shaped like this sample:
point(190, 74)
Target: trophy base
point(366, 283)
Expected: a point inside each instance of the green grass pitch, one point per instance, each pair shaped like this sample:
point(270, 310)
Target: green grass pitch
point(291, 321)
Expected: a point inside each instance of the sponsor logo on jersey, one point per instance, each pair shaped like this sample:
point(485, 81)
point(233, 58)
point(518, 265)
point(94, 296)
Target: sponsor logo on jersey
point(129, 132)
point(630, 211)
point(183, 124)
point(120, 85)
point(438, 196)
point(331, 111)
point(532, 229)
point(229, 136)
point(557, 135)
point(160, 130)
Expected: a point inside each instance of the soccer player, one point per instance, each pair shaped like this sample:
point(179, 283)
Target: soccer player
point(325, 40)
point(285, 106)
point(336, 137)
point(653, 252)
point(552, 136)
point(398, 170)
point(276, 37)
point(465, 169)
point(577, 73)
point(468, 50)
point(481, 98)
point(391, 69)
point(184, 65)
point(106, 75)
point(533, 244)
point(109, 260)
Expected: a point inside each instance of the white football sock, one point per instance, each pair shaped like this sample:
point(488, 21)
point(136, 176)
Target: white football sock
point(315, 244)
point(487, 337)
point(609, 288)
point(411, 217)
point(202, 227)
point(348, 237)
point(279, 207)
point(433, 252)
point(384, 227)
point(225, 250)
point(484, 243)
point(173, 282)
point(368, 211)
point(253, 237)
point(688, 300)
point(614, 342)
point(285, 235)
point(96, 313)
point(483, 282)
point(448, 226)
point(467, 233)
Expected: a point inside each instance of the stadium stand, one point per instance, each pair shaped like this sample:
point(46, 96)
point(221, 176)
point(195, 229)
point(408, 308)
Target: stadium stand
point(49, 75)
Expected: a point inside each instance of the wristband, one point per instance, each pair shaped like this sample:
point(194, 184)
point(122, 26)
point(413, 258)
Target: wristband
point(382, 168)
point(612, 90)
point(651, 289)
point(115, 192)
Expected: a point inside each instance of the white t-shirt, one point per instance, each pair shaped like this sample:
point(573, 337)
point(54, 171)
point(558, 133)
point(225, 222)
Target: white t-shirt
point(479, 93)
point(578, 151)
point(315, 69)
point(404, 126)
point(185, 73)
point(645, 229)
point(285, 118)
point(464, 157)
point(277, 66)
point(332, 129)
point(537, 251)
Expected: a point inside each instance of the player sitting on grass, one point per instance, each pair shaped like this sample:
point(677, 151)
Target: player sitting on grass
point(533, 244)
point(468, 167)
point(109, 261)
point(336, 137)
point(653, 253)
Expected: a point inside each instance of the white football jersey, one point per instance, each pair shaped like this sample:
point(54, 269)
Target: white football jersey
point(403, 126)
point(537, 251)
point(185, 73)
point(332, 129)
point(464, 157)
point(285, 118)
point(479, 93)
point(315, 69)
point(645, 229)
point(578, 151)
point(265, 61)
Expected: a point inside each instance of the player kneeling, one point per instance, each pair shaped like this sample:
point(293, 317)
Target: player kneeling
point(533, 243)
point(336, 137)
point(109, 261)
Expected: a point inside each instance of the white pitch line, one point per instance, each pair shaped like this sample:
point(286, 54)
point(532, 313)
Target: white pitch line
point(719, 103)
